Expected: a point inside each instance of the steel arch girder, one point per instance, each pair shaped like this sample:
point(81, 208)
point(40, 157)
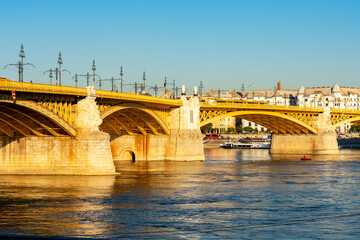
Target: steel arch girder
point(147, 110)
point(263, 113)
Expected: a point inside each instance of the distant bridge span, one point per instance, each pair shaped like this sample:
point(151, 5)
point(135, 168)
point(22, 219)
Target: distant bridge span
point(277, 118)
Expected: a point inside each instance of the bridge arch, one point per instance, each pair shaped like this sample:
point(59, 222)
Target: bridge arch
point(276, 122)
point(25, 118)
point(132, 119)
point(348, 120)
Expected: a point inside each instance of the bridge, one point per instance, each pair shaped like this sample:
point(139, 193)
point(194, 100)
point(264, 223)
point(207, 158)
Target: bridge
point(279, 119)
point(46, 129)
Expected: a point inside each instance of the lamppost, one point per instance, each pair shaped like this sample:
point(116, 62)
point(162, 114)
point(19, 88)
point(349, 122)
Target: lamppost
point(144, 78)
point(155, 88)
point(112, 79)
point(165, 83)
point(87, 75)
point(201, 87)
point(21, 64)
point(57, 75)
point(50, 75)
point(94, 69)
point(121, 78)
point(60, 62)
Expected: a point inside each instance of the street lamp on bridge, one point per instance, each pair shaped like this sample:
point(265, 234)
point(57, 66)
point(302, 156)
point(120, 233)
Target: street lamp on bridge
point(87, 75)
point(60, 62)
point(21, 64)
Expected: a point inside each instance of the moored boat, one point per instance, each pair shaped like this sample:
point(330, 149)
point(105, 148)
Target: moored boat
point(245, 145)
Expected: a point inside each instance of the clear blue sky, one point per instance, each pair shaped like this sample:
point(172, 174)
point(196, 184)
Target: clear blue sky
point(222, 43)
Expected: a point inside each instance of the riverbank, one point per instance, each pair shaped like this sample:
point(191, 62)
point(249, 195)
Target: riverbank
point(352, 142)
point(210, 143)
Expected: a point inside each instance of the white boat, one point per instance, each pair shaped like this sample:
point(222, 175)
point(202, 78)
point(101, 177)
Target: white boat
point(245, 144)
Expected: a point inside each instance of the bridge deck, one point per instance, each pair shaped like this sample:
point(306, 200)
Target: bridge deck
point(7, 85)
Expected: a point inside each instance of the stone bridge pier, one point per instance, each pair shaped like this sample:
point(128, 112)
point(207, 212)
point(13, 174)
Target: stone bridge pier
point(184, 143)
point(323, 142)
point(88, 153)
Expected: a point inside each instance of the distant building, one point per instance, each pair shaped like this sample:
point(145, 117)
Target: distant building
point(165, 93)
point(333, 97)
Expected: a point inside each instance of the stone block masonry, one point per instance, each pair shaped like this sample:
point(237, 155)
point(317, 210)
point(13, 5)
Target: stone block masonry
point(88, 153)
point(55, 155)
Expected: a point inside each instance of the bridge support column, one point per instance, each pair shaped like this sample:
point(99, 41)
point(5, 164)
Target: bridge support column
point(185, 131)
point(88, 153)
point(92, 149)
point(183, 144)
point(324, 142)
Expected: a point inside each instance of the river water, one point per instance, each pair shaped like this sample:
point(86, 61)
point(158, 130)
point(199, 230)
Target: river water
point(234, 194)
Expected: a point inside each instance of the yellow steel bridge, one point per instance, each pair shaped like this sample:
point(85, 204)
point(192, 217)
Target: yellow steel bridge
point(41, 110)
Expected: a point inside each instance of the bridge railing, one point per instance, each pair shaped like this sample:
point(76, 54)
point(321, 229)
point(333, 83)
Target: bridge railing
point(41, 88)
point(7, 85)
point(254, 105)
point(347, 111)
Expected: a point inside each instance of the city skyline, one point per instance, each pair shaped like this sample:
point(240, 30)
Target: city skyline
point(223, 45)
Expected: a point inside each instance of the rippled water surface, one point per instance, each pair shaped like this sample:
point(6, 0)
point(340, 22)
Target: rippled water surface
point(234, 194)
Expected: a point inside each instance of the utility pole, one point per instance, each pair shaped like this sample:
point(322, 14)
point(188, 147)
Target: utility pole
point(50, 75)
point(242, 88)
point(219, 92)
point(144, 78)
point(87, 75)
point(76, 79)
point(121, 78)
point(174, 89)
point(60, 62)
point(94, 69)
point(201, 86)
point(20, 64)
point(112, 79)
point(155, 88)
point(56, 76)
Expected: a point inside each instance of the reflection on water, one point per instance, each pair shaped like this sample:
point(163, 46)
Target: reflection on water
point(234, 194)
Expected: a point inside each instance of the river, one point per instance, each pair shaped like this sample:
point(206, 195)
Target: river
point(234, 194)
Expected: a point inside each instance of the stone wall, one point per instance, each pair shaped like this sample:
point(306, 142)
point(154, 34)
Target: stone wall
point(304, 144)
point(55, 155)
point(158, 147)
point(324, 142)
point(183, 144)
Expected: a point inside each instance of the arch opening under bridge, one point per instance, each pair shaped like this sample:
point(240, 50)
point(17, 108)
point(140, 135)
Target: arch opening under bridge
point(132, 119)
point(276, 122)
point(27, 118)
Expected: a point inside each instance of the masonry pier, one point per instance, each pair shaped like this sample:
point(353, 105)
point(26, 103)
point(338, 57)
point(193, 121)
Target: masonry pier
point(323, 142)
point(183, 144)
point(88, 153)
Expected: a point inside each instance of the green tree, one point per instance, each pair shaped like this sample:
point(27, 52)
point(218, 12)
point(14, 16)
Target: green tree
point(231, 130)
point(239, 129)
point(355, 128)
point(248, 129)
point(207, 128)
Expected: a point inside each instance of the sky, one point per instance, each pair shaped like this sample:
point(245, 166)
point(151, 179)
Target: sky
point(222, 43)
